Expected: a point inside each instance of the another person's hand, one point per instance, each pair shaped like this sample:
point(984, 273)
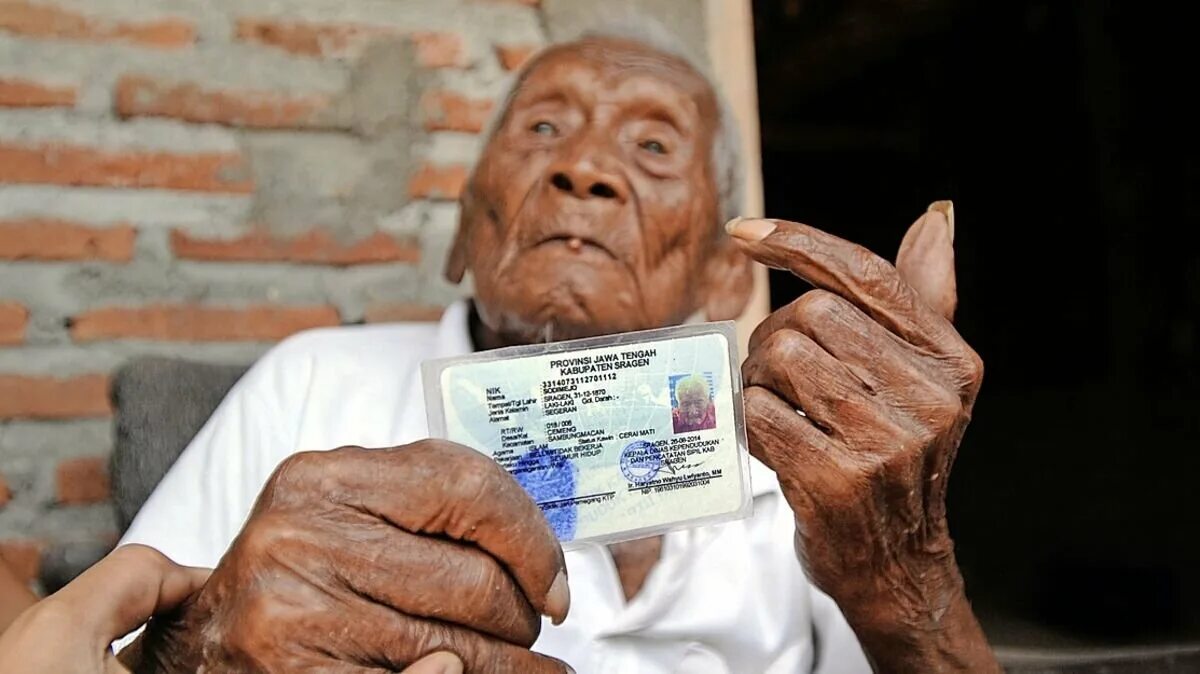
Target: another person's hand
point(359, 560)
point(70, 630)
point(857, 396)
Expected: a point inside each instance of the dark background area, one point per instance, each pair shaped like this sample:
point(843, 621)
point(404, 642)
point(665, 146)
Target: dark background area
point(1062, 133)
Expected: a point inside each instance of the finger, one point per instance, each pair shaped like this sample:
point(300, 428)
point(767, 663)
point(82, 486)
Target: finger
point(439, 579)
point(123, 590)
point(436, 663)
point(397, 641)
point(787, 443)
point(814, 469)
point(926, 258)
point(876, 357)
point(851, 271)
point(442, 488)
point(777, 431)
point(796, 369)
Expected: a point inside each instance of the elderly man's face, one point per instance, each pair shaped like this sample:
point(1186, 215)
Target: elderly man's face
point(693, 404)
point(593, 208)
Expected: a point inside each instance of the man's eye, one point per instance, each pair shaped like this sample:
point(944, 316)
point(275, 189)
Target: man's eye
point(544, 129)
point(652, 146)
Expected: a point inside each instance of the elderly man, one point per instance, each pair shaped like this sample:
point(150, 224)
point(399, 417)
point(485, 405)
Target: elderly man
point(594, 208)
point(694, 409)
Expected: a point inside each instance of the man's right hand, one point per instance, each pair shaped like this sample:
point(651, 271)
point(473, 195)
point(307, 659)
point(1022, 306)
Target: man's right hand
point(359, 560)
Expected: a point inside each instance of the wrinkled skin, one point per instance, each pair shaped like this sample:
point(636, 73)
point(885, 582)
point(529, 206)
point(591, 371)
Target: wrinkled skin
point(593, 210)
point(885, 386)
point(365, 561)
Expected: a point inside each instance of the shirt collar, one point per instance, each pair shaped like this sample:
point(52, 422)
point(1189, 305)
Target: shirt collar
point(454, 331)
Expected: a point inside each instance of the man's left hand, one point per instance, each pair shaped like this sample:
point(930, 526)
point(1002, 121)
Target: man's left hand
point(857, 396)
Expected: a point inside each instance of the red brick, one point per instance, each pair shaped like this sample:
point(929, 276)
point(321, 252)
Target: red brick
point(50, 239)
point(196, 323)
point(432, 181)
point(513, 56)
point(346, 40)
point(5, 492)
point(23, 556)
point(17, 92)
point(81, 481)
point(32, 397)
point(62, 164)
point(315, 247)
point(13, 319)
point(46, 20)
point(311, 39)
point(145, 96)
point(403, 313)
point(450, 111)
point(439, 50)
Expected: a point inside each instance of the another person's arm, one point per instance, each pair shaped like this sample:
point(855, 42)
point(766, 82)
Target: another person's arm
point(70, 631)
point(857, 396)
point(15, 596)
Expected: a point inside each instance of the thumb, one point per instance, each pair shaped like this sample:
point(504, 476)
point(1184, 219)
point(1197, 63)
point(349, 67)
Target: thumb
point(442, 662)
point(926, 258)
point(126, 588)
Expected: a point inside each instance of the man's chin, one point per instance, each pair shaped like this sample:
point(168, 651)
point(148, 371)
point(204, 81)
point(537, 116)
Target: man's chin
point(550, 308)
point(555, 320)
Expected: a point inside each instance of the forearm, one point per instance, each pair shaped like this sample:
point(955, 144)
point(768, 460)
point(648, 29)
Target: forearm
point(934, 630)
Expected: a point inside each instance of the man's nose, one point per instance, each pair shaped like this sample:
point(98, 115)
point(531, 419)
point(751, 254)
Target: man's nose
point(583, 179)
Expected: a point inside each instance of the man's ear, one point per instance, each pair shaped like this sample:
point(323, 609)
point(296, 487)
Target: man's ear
point(926, 258)
point(728, 281)
point(456, 260)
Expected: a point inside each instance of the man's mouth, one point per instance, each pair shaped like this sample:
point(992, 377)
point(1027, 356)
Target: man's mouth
point(577, 244)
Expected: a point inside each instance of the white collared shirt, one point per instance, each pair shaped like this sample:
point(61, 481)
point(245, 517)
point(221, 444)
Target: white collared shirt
point(724, 598)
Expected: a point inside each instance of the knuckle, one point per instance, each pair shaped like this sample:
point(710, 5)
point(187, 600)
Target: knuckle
point(267, 535)
point(972, 367)
point(948, 406)
point(755, 399)
point(815, 306)
point(474, 478)
point(784, 345)
point(300, 467)
point(763, 330)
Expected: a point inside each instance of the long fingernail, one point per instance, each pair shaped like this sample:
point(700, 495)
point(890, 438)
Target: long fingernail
point(558, 599)
point(946, 208)
point(749, 229)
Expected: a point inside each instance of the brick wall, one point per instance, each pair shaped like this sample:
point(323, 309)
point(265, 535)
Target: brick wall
point(204, 177)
